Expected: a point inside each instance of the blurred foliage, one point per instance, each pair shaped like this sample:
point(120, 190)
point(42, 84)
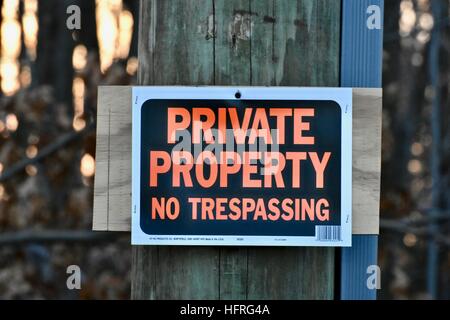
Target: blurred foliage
point(408, 140)
point(54, 193)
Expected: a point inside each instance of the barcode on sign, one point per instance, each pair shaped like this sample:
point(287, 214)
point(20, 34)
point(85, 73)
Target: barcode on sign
point(328, 233)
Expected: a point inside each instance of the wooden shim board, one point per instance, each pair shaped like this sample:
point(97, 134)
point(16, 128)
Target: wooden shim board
point(112, 184)
point(366, 166)
point(112, 187)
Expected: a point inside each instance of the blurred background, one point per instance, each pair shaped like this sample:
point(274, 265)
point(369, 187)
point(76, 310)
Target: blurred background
point(48, 85)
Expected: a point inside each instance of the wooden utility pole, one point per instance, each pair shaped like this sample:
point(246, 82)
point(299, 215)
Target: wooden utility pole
point(237, 42)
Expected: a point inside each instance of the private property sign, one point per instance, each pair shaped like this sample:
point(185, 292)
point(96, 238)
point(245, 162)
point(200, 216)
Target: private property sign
point(241, 166)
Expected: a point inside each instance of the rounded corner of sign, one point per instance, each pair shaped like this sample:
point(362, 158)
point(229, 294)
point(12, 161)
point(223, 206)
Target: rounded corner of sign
point(345, 107)
point(134, 240)
point(138, 238)
point(148, 100)
point(338, 105)
point(140, 226)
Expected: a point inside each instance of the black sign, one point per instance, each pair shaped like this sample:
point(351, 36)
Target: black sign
point(240, 171)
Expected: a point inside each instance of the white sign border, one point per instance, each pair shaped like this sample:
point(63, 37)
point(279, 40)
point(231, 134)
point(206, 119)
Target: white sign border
point(342, 96)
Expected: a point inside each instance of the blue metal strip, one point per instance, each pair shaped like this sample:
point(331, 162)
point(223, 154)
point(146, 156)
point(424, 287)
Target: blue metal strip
point(354, 268)
point(361, 47)
point(361, 66)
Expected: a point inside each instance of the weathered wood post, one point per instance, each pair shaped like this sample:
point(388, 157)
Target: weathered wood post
point(237, 42)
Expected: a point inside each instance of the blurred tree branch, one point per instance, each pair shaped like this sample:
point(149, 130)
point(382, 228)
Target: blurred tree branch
point(405, 226)
point(46, 151)
point(40, 236)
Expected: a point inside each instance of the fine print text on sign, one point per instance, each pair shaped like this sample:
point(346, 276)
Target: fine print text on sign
point(241, 166)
